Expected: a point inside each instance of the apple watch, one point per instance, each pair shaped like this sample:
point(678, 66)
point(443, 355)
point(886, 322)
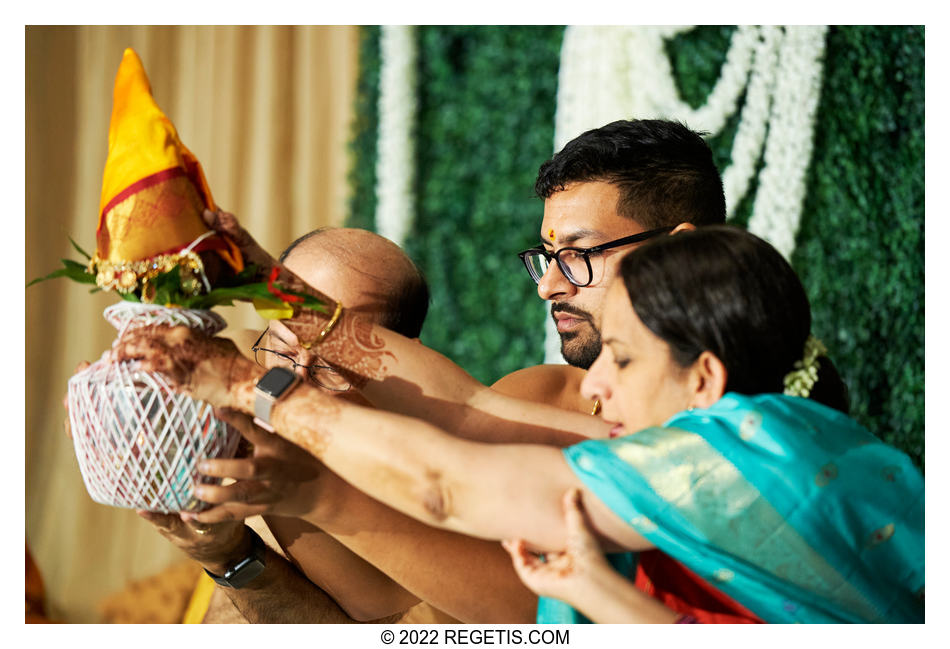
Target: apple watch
point(276, 383)
point(244, 571)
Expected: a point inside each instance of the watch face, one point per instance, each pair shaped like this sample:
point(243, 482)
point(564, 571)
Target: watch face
point(276, 381)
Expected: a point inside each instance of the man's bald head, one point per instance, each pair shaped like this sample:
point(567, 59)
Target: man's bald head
point(366, 272)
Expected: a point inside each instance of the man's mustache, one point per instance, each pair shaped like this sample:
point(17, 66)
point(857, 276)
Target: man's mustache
point(563, 307)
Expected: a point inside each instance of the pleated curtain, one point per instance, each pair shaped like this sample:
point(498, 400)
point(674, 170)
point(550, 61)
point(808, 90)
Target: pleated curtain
point(267, 112)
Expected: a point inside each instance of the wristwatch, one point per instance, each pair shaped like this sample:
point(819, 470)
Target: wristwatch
point(241, 573)
point(275, 384)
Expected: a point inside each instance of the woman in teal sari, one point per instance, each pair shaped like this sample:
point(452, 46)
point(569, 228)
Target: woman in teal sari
point(781, 503)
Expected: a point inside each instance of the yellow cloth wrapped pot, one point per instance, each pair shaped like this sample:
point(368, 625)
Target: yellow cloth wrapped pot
point(153, 189)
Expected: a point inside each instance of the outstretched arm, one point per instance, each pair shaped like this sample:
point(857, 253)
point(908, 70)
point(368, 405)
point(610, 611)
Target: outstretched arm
point(403, 462)
point(491, 491)
point(398, 374)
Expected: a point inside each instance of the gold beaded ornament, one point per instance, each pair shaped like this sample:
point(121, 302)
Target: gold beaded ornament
point(130, 276)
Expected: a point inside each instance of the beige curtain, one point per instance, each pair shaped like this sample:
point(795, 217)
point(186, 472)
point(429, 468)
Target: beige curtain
point(266, 110)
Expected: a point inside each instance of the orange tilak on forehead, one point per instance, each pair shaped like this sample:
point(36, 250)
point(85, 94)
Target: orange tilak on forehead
point(552, 236)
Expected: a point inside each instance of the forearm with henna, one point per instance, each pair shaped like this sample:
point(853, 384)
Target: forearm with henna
point(354, 345)
point(402, 376)
point(368, 448)
point(306, 416)
point(406, 463)
point(429, 562)
point(423, 382)
point(225, 223)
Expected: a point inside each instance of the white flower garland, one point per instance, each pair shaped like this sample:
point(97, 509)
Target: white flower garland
point(395, 162)
point(610, 73)
point(750, 136)
point(776, 212)
point(780, 70)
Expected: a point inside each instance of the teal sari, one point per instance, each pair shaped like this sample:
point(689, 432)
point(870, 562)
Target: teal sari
point(790, 508)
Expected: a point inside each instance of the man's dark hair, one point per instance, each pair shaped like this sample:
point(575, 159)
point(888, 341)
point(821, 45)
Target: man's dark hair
point(407, 298)
point(664, 171)
point(408, 304)
point(725, 290)
point(296, 242)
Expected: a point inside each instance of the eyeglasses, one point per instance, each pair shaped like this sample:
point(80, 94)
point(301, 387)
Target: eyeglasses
point(575, 263)
point(323, 375)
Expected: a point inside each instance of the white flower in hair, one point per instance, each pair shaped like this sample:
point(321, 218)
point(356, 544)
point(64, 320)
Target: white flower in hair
point(800, 381)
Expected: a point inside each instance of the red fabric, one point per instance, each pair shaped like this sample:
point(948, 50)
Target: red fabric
point(280, 295)
point(687, 593)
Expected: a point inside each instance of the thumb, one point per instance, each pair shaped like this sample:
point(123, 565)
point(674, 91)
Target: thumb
point(575, 520)
point(210, 219)
point(518, 552)
point(164, 522)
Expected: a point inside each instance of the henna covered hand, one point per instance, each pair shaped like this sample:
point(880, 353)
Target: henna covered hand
point(225, 223)
point(352, 347)
point(201, 366)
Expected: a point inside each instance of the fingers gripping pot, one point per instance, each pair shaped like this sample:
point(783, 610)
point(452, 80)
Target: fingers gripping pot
point(138, 442)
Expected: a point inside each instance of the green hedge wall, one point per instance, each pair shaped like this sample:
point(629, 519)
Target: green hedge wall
point(362, 176)
point(486, 122)
point(860, 250)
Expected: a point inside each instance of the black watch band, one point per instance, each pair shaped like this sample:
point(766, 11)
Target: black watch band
point(241, 573)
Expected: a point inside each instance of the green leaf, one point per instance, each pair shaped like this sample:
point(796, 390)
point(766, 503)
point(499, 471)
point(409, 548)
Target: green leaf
point(246, 293)
point(81, 251)
point(71, 269)
point(246, 276)
point(56, 273)
point(167, 287)
point(80, 271)
point(224, 296)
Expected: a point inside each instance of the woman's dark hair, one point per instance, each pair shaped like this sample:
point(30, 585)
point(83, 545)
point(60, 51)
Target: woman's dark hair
point(722, 289)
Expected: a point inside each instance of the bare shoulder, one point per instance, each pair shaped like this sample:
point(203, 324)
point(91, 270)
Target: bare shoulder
point(555, 385)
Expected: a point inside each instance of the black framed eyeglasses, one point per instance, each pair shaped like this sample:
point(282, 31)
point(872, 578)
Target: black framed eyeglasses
point(574, 262)
point(323, 375)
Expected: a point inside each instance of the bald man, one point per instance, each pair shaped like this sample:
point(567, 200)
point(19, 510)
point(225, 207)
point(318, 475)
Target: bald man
point(326, 582)
point(367, 271)
point(406, 561)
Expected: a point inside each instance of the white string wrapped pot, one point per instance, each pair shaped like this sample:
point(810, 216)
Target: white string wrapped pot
point(138, 442)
